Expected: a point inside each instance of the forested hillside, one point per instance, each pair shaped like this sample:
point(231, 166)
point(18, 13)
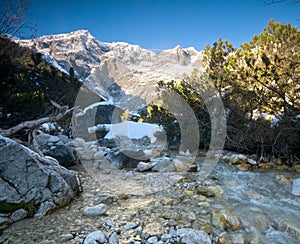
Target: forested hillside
point(29, 83)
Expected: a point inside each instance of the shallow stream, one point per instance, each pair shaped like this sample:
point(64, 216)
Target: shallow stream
point(261, 199)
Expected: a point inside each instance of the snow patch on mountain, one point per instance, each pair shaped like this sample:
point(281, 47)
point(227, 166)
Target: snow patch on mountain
point(118, 68)
point(54, 63)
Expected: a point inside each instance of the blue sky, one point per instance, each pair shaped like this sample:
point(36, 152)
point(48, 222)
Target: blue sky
point(161, 24)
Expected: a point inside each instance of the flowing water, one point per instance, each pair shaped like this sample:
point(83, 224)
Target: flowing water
point(261, 199)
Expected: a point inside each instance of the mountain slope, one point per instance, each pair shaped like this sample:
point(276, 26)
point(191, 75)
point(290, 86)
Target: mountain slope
point(115, 69)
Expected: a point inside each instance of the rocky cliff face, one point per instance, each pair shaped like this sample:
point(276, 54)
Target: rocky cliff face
point(118, 68)
point(78, 50)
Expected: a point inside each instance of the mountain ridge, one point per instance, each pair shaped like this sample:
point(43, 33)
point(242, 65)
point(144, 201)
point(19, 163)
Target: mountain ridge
point(106, 67)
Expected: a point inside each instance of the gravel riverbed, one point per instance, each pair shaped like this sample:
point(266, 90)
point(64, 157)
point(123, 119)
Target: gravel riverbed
point(227, 207)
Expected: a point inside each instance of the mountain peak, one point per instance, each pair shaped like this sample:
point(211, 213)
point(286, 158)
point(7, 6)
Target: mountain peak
point(178, 47)
point(85, 33)
point(80, 32)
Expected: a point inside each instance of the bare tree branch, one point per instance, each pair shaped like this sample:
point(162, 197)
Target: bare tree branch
point(35, 123)
point(59, 107)
point(13, 18)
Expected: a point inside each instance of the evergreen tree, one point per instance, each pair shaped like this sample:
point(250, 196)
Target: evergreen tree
point(28, 83)
point(260, 89)
point(260, 79)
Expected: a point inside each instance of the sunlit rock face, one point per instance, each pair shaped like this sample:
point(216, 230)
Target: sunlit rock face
point(118, 68)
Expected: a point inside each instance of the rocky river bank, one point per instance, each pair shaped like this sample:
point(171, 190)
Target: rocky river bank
point(230, 206)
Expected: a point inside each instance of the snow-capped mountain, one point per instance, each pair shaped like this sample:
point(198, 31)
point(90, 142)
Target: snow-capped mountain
point(114, 69)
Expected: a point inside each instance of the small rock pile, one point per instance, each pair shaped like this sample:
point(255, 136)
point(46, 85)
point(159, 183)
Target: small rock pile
point(248, 163)
point(166, 221)
point(184, 235)
point(96, 157)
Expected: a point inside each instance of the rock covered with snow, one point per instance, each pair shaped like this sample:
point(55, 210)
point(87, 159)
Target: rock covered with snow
point(124, 146)
point(32, 184)
point(93, 118)
point(129, 129)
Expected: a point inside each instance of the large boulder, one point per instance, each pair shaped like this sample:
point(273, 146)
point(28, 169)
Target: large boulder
point(120, 159)
point(31, 182)
point(57, 147)
point(63, 154)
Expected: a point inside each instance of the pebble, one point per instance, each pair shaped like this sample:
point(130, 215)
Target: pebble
point(193, 236)
point(123, 196)
point(166, 237)
point(66, 237)
point(139, 230)
point(245, 167)
point(173, 233)
point(110, 223)
point(113, 239)
point(19, 214)
point(145, 235)
point(4, 221)
point(172, 222)
point(105, 200)
point(227, 219)
point(238, 238)
point(251, 161)
point(99, 155)
point(281, 179)
point(95, 237)
point(142, 166)
point(99, 209)
point(152, 239)
point(129, 226)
